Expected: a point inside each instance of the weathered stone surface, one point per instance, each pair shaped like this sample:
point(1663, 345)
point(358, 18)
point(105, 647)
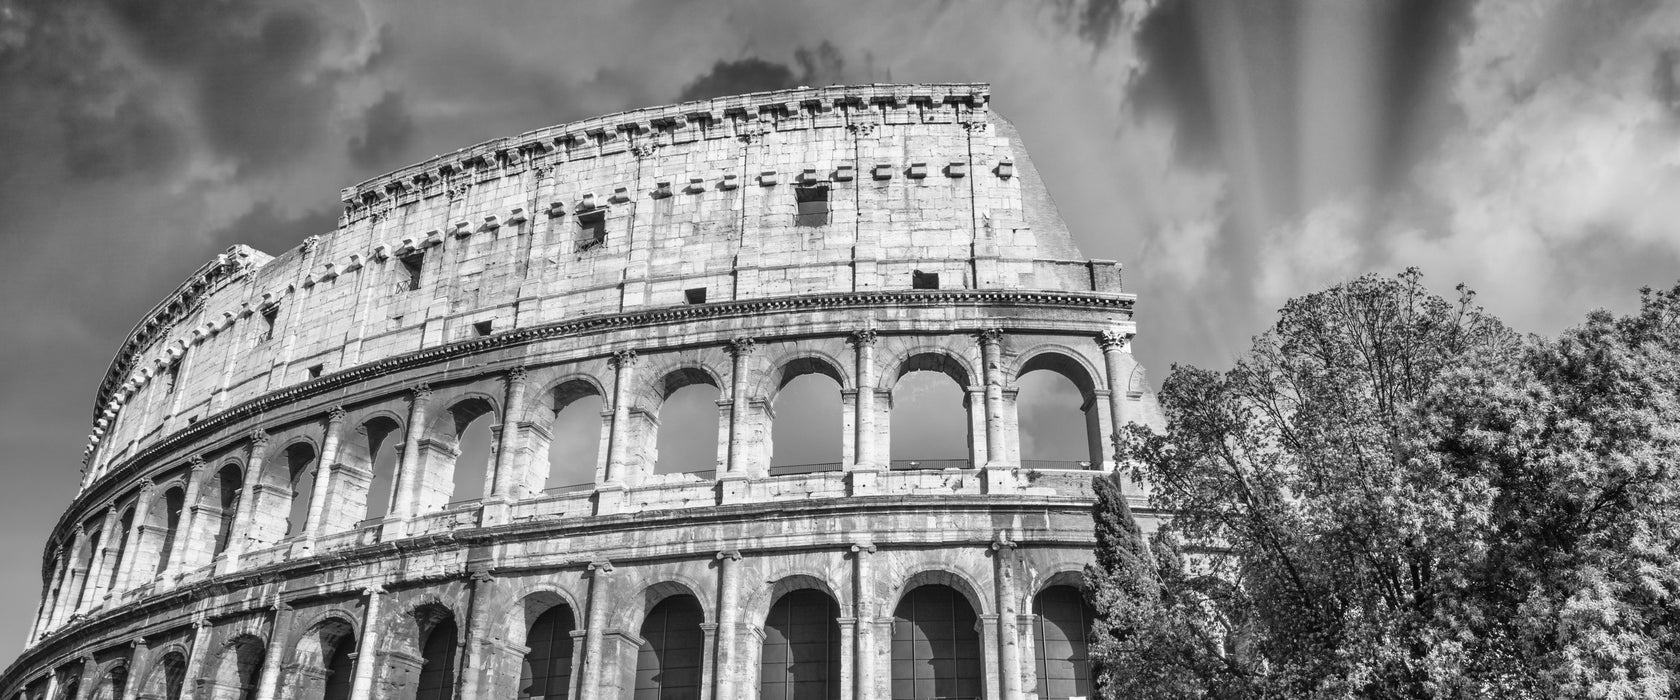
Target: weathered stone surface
point(621, 257)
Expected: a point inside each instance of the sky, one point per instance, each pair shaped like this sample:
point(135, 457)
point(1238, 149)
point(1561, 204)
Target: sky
point(1231, 153)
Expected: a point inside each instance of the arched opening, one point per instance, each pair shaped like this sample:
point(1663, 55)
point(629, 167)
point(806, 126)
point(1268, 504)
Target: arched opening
point(1061, 641)
point(237, 670)
point(668, 664)
point(547, 671)
point(113, 684)
point(437, 652)
point(806, 435)
point(168, 511)
point(1056, 410)
point(230, 488)
point(377, 450)
point(574, 442)
point(688, 423)
point(168, 677)
point(325, 661)
point(935, 646)
point(114, 562)
point(469, 446)
point(72, 689)
point(85, 559)
point(929, 421)
point(300, 477)
point(801, 655)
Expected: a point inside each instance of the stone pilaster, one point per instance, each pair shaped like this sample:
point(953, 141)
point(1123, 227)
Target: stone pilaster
point(729, 621)
point(197, 656)
point(139, 659)
point(1115, 345)
point(862, 595)
point(609, 489)
point(991, 341)
point(142, 511)
point(94, 584)
point(268, 683)
point(333, 436)
point(43, 617)
point(505, 473)
point(367, 650)
point(185, 526)
point(239, 539)
point(734, 474)
point(409, 470)
point(590, 676)
point(867, 462)
point(1009, 640)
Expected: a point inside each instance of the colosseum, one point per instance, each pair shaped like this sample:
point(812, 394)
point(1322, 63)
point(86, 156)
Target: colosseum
point(284, 498)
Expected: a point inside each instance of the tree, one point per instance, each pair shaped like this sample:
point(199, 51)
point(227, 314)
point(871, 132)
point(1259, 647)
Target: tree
point(1397, 497)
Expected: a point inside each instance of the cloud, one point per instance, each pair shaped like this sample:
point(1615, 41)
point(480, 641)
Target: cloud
point(265, 228)
point(387, 132)
point(819, 66)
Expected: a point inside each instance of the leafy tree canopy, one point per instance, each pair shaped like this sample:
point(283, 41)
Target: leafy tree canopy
point(1394, 496)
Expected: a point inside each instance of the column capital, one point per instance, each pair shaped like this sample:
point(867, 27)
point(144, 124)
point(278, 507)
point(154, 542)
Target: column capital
point(373, 590)
point(280, 606)
point(481, 576)
point(110, 507)
point(622, 359)
point(991, 336)
point(741, 347)
point(601, 567)
point(137, 643)
point(1115, 340)
point(863, 548)
point(145, 486)
point(422, 392)
point(518, 374)
point(196, 462)
point(863, 337)
point(1001, 541)
point(336, 414)
point(259, 438)
point(730, 554)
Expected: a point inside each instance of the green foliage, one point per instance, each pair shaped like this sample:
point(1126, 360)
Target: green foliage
point(1393, 496)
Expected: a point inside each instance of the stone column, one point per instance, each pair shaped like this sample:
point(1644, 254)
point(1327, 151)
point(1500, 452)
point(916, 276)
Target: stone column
point(864, 653)
point(992, 364)
point(137, 663)
point(49, 602)
point(589, 683)
point(274, 653)
point(94, 584)
point(65, 604)
point(409, 469)
point(142, 511)
point(609, 490)
point(323, 475)
point(239, 538)
point(1009, 640)
point(505, 472)
point(729, 621)
point(52, 684)
point(865, 449)
point(1115, 344)
point(367, 649)
point(184, 526)
point(195, 658)
point(735, 467)
point(481, 645)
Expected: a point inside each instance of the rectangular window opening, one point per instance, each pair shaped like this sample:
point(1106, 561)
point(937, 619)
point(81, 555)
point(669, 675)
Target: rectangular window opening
point(412, 264)
point(482, 328)
point(696, 295)
point(812, 201)
point(316, 370)
point(592, 229)
point(924, 280)
point(171, 377)
point(270, 316)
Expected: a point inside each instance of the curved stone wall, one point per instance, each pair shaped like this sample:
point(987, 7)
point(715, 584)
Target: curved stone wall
point(237, 534)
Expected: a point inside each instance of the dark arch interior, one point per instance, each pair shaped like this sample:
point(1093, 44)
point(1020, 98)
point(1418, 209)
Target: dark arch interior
point(230, 485)
point(380, 452)
point(172, 675)
point(341, 668)
point(1061, 640)
point(171, 506)
point(935, 646)
point(114, 568)
point(668, 664)
point(437, 672)
point(547, 671)
point(301, 477)
point(240, 666)
point(801, 654)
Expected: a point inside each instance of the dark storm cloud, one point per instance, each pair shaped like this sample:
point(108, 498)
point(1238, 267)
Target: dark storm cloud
point(132, 138)
point(819, 66)
point(1096, 22)
point(1422, 42)
point(267, 229)
point(387, 134)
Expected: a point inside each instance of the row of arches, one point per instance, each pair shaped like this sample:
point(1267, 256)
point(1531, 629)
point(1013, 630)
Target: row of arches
point(799, 415)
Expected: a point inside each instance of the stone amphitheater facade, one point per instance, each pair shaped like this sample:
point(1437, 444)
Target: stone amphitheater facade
point(234, 536)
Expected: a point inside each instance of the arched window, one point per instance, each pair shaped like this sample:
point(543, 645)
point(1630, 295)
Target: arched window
point(323, 657)
point(806, 434)
point(929, 422)
point(167, 677)
point(170, 505)
point(230, 488)
point(688, 424)
point(71, 690)
point(474, 462)
point(574, 443)
point(668, 665)
point(547, 671)
point(85, 562)
point(341, 671)
point(238, 668)
point(461, 455)
point(113, 684)
point(437, 674)
point(377, 448)
point(1061, 640)
point(801, 656)
point(300, 477)
point(935, 646)
point(113, 564)
point(1056, 410)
